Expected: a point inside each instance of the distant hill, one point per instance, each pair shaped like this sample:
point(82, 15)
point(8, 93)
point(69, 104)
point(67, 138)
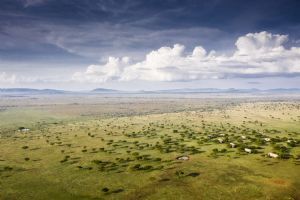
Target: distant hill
point(104, 90)
point(27, 91)
point(230, 90)
point(207, 90)
point(30, 91)
point(284, 90)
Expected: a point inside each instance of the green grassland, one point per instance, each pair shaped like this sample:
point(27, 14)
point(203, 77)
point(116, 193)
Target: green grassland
point(132, 155)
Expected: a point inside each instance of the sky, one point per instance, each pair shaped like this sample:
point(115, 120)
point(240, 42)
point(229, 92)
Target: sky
point(149, 45)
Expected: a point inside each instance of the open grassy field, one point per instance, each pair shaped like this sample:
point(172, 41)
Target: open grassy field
point(131, 148)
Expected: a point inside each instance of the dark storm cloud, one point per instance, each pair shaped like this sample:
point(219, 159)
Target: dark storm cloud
point(98, 28)
point(215, 13)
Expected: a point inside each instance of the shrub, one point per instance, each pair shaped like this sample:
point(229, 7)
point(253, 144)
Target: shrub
point(7, 168)
point(136, 167)
point(292, 144)
point(147, 167)
point(118, 190)
point(284, 155)
point(215, 150)
point(157, 159)
point(135, 153)
point(193, 174)
point(223, 151)
point(179, 173)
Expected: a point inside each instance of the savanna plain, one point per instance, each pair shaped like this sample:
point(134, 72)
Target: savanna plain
point(150, 147)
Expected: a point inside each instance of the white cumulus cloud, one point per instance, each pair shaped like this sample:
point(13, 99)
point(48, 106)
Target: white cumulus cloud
point(257, 55)
point(256, 43)
point(6, 78)
point(112, 70)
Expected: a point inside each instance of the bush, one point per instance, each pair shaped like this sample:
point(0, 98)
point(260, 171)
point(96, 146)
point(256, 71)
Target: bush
point(136, 167)
point(118, 190)
point(7, 168)
point(135, 153)
point(179, 173)
point(215, 150)
point(284, 155)
point(223, 151)
point(147, 167)
point(292, 144)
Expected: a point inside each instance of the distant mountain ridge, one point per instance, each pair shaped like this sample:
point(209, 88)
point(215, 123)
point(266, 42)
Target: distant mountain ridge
point(216, 90)
point(207, 90)
point(31, 91)
point(27, 91)
point(104, 90)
